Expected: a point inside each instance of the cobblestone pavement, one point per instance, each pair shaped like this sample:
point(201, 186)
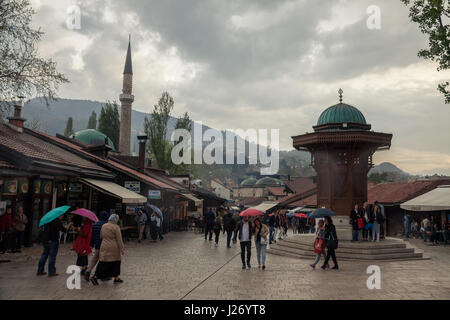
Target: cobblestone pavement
point(185, 266)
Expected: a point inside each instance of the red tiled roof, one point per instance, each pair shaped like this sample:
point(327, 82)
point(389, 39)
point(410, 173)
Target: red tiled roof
point(38, 149)
point(298, 196)
point(300, 185)
point(139, 175)
point(276, 191)
point(252, 201)
point(399, 192)
point(310, 201)
point(6, 164)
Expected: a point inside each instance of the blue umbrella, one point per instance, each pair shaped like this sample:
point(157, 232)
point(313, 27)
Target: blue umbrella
point(322, 212)
point(53, 214)
point(156, 209)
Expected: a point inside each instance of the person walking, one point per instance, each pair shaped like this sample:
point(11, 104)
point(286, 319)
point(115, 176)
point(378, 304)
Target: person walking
point(157, 224)
point(271, 224)
point(354, 221)
point(141, 221)
point(245, 232)
point(406, 225)
point(153, 227)
point(49, 237)
point(82, 244)
point(6, 229)
point(96, 241)
point(19, 223)
point(236, 219)
point(111, 252)
point(261, 231)
point(425, 228)
point(319, 243)
point(217, 228)
point(331, 243)
point(209, 218)
point(229, 225)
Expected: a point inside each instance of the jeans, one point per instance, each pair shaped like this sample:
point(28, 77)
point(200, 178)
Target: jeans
point(229, 235)
point(355, 235)
point(217, 233)
point(376, 231)
point(208, 229)
point(50, 249)
point(261, 252)
point(246, 245)
point(17, 240)
point(330, 253)
point(317, 258)
point(272, 234)
point(6, 239)
point(160, 233)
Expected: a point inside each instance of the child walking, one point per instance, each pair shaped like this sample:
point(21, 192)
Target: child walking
point(319, 243)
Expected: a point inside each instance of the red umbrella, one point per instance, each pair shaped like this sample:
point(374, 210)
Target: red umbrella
point(301, 215)
point(271, 215)
point(251, 213)
point(86, 213)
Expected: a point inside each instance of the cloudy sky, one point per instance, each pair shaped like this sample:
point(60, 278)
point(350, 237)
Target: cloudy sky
point(259, 64)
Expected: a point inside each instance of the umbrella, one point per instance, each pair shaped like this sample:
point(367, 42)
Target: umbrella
point(156, 209)
point(322, 212)
point(86, 213)
point(271, 215)
point(301, 215)
point(53, 214)
point(251, 213)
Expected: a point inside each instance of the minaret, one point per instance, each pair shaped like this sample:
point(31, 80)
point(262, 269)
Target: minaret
point(126, 99)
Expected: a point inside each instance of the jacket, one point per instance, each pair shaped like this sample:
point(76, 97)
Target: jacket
point(5, 222)
point(112, 244)
point(263, 234)
point(229, 224)
point(354, 219)
point(96, 241)
point(330, 232)
point(209, 218)
point(239, 230)
point(83, 240)
point(217, 226)
point(19, 221)
point(141, 219)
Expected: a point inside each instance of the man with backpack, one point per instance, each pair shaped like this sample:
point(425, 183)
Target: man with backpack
point(49, 236)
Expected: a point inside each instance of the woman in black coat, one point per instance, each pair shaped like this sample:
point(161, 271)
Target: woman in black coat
point(331, 243)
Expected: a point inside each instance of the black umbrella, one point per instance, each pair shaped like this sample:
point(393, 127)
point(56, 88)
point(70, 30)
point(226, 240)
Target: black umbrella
point(320, 213)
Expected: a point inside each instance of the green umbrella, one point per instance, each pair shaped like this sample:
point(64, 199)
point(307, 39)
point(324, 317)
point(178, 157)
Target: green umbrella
point(53, 214)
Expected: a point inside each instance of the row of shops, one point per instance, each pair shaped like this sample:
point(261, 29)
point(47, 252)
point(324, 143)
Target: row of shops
point(40, 172)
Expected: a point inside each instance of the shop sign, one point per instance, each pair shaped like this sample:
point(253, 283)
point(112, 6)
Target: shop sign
point(23, 186)
point(76, 187)
point(10, 187)
point(37, 186)
point(47, 188)
point(131, 210)
point(133, 186)
point(154, 194)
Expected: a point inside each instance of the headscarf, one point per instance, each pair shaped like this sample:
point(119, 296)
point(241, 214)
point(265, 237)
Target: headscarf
point(113, 218)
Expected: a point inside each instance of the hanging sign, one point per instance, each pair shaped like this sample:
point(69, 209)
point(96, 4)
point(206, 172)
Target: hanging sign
point(133, 186)
point(154, 194)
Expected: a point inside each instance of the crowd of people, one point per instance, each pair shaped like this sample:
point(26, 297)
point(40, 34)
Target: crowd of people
point(367, 221)
point(12, 227)
point(98, 245)
point(427, 229)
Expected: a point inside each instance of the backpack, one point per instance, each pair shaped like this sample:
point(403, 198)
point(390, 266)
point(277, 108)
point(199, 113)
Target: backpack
point(44, 233)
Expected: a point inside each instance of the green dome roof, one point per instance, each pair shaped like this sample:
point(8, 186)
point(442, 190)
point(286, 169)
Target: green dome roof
point(268, 181)
point(249, 182)
point(341, 113)
point(92, 137)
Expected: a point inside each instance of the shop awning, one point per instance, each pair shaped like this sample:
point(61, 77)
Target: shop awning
point(436, 199)
point(114, 190)
point(197, 201)
point(264, 206)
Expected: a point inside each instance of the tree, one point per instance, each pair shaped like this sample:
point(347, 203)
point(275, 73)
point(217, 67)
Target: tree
point(92, 123)
point(156, 129)
point(109, 122)
point(430, 14)
point(69, 127)
point(22, 71)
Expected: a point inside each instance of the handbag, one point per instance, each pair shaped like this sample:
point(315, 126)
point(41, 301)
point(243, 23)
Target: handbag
point(318, 245)
point(332, 243)
point(360, 223)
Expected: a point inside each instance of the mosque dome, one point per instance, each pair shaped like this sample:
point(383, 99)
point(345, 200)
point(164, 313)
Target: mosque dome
point(92, 137)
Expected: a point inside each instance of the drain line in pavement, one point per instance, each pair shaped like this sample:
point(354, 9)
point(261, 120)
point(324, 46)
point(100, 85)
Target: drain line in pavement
point(203, 281)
